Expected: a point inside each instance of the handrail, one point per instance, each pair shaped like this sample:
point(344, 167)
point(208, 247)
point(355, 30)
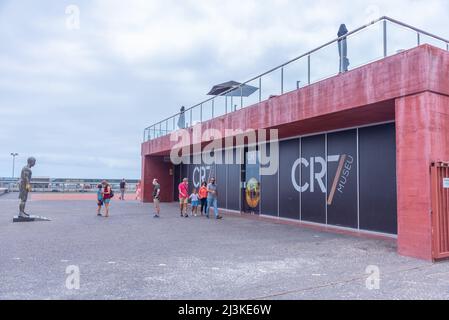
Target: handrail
point(383, 18)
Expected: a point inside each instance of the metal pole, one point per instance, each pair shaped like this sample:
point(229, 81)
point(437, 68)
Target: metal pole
point(260, 89)
point(241, 97)
point(385, 37)
point(213, 106)
point(308, 69)
point(14, 155)
point(191, 117)
point(282, 80)
point(418, 38)
point(13, 165)
point(201, 113)
point(447, 46)
point(226, 104)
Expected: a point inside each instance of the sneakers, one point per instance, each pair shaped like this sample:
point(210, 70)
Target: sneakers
point(219, 217)
point(156, 216)
point(186, 216)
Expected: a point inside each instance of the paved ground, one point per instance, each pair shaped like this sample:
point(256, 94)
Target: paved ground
point(133, 256)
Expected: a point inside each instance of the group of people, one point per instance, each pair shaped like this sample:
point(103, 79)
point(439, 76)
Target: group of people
point(205, 197)
point(104, 196)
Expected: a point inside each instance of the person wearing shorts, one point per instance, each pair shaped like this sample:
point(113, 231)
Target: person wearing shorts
point(183, 189)
point(107, 195)
point(156, 197)
point(194, 198)
point(99, 199)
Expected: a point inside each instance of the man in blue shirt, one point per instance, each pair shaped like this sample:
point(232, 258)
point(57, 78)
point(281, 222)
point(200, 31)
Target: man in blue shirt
point(212, 198)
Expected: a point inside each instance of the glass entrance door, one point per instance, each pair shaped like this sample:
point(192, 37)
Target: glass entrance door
point(250, 182)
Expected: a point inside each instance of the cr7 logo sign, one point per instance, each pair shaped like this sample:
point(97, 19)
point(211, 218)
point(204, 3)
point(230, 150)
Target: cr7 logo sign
point(317, 173)
point(200, 175)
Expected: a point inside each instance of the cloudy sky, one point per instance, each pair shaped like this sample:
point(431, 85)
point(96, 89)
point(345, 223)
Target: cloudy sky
point(77, 96)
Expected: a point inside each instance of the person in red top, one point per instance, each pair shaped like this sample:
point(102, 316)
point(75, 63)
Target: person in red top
point(107, 195)
point(203, 197)
point(183, 189)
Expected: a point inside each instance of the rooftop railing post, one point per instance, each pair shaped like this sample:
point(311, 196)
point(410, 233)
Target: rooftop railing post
point(226, 104)
point(232, 103)
point(447, 46)
point(213, 107)
point(418, 39)
point(282, 80)
point(191, 117)
point(174, 123)
point(385, 37)
point(160, 129)
point(201, 113)
point(241, 97)
point(308, 69)
point(166, 126)
point(260, 89)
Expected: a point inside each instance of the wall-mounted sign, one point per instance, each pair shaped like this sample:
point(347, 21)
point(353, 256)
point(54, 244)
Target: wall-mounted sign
point(446, 183)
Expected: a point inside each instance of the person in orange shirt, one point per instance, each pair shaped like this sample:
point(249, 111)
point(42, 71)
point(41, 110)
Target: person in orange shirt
point(202, 193)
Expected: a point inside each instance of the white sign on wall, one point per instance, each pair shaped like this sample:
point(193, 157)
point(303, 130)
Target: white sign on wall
point(446, 183)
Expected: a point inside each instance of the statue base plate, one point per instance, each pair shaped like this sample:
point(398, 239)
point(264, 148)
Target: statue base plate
point(29, 219)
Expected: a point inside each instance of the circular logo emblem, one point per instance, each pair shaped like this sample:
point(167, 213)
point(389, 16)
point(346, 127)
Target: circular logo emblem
point(252, 193)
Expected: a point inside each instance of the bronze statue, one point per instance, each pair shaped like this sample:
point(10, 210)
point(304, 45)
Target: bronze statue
point(25, 186)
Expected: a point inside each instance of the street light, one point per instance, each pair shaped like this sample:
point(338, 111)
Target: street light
point(14, 155)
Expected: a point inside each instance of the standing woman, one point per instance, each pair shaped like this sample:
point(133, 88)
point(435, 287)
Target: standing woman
point(203, 197)
point(107, 195)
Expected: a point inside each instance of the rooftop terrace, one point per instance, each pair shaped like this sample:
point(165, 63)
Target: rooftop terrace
point(376, 40)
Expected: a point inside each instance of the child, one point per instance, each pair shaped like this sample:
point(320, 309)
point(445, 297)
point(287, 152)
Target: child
point(195, 202)
point(99, 199)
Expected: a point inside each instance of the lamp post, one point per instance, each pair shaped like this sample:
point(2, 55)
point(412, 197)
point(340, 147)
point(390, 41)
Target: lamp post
point(14, 155)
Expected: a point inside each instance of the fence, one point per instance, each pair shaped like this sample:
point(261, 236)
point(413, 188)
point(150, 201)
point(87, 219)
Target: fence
point(440, 210)
point(376, 40)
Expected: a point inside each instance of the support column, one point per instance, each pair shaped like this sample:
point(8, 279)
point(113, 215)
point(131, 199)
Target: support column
point(156, 167)
point(422, 136)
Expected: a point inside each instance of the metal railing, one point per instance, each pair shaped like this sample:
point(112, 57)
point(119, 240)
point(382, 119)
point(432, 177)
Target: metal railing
point(306, 69)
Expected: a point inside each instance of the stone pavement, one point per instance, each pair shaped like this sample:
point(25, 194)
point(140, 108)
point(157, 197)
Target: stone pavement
point(131, 255)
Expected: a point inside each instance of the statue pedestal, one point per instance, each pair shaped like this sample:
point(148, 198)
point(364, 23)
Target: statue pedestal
point(29, 219)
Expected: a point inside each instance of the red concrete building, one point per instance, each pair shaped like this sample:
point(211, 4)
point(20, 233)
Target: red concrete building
point(408, 91)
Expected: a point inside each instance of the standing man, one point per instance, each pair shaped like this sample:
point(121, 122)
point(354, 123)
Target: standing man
point(183, 189)
point(156, 197)
point(25, 186)
point(212, 198)
point(122, 189)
